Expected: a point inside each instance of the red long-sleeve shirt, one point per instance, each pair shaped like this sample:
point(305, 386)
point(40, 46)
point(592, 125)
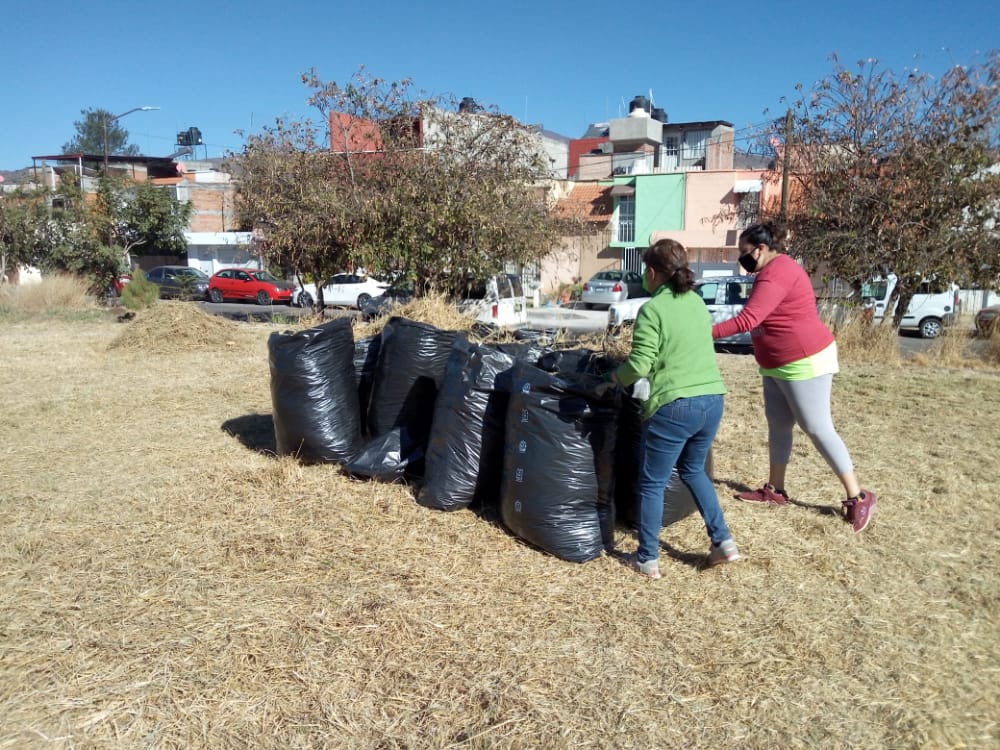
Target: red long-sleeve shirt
point(780, 315)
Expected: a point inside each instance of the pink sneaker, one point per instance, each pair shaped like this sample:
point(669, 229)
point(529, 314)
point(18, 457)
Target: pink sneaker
point(858, 510)
point(766, 495)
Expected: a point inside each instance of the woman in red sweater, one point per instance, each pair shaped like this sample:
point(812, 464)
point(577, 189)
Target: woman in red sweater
point(798, 358)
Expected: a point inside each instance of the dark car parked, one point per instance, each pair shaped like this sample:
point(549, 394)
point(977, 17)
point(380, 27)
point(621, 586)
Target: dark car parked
point(399, 293)
point(179, 282)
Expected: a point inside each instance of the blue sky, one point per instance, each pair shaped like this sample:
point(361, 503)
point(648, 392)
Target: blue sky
point(223, 65)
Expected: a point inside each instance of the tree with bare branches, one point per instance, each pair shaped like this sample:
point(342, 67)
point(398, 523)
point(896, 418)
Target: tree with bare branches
point(897, 174)
point(403, 184)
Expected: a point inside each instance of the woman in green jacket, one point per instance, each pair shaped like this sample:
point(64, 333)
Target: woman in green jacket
point(672, 348)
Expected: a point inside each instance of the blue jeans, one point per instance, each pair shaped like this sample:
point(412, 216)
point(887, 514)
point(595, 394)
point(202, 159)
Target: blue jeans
point(678, 434)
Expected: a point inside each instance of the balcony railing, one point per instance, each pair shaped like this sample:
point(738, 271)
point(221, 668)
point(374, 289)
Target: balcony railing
point(678, 168)
point(625, 231)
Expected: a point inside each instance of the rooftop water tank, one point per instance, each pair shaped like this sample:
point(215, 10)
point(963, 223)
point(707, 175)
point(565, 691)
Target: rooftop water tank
point(639, 102)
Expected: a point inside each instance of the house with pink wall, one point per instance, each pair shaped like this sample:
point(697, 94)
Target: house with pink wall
point(718, 205)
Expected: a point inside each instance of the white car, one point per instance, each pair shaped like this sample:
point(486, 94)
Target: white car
point(724, 296)
point(341, 290)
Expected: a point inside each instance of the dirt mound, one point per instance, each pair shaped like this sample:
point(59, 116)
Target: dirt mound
point(177, 326)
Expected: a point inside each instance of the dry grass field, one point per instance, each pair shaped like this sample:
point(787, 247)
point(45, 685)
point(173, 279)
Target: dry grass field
point(166, 582)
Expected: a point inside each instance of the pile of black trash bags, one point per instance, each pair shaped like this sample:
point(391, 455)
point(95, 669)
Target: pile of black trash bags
point(516, 430)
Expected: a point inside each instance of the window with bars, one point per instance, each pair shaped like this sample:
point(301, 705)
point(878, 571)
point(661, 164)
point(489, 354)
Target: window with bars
point(748, 210)
point(625, 221)
point(670, 152)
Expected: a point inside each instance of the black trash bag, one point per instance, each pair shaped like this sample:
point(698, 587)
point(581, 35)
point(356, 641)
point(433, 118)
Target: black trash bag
point(567, 362)
point(314, 395)
point(365, 362)
point(411, 363)
point(465, 453)
point(530, 352)
point(677, 500)
point(557, 487)
point(381, 458)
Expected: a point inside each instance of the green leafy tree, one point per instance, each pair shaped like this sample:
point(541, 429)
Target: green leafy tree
point(90, 135)
point(69, 237)
point(898, 174)
point(141, 218)
point(406, 185)
point(61, 231)
point(298, 211)
point(22, 212)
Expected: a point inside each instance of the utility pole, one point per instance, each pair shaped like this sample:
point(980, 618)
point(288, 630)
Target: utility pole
point(786, 163)
point(107, 119)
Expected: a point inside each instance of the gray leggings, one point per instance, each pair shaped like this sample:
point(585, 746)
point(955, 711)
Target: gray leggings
point(808, 403)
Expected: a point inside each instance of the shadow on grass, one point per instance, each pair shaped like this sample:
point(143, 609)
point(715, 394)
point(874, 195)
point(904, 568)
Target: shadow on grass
point(823, 510)
point(255, 431)
point(695, 560)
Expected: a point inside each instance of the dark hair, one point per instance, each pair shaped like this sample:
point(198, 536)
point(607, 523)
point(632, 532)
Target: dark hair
point(767, 233)
point(670, 258)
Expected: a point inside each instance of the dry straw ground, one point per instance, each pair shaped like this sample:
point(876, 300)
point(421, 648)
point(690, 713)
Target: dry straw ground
point(166, 582)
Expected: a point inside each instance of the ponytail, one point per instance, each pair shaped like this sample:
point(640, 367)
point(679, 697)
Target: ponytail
point(670, 258)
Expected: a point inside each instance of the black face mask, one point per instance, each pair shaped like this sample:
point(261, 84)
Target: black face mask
point(748, 262)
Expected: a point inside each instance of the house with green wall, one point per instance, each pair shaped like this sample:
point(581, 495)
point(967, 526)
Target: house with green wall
point(644, 204)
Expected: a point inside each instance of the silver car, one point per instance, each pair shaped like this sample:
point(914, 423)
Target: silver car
point(609, 287)
point(725, 297)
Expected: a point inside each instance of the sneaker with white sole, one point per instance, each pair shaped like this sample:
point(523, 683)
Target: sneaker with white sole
point(650, 568)
point(723, 552)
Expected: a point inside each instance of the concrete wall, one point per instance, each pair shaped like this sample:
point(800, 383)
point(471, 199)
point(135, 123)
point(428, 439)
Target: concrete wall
point(211, 251)
point(576, 259)
point(579, 147)
point(212, 195)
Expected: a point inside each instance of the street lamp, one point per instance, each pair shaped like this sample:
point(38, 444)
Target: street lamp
point(113, 119)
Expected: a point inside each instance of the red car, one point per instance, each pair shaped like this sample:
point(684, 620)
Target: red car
point(249, 284)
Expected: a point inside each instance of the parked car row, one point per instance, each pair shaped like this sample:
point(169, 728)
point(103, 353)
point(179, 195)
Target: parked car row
point(500, 300)
point(496, 302)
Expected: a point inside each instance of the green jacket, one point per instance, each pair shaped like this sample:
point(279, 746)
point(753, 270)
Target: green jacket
point(672, 347)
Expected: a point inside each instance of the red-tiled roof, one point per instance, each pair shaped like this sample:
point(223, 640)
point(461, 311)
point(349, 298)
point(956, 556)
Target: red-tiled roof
point(587, 202)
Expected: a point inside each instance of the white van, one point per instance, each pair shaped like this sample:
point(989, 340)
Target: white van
point(498, 302)
point(933, 306)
